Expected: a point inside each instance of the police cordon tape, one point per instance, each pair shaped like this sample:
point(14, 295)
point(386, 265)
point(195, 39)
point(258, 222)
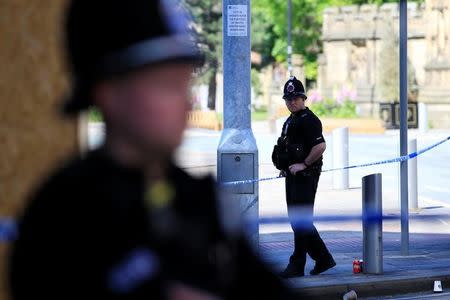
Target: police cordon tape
point(394, 160)
point(9, 231)
point(382, 162)
point(301, 219)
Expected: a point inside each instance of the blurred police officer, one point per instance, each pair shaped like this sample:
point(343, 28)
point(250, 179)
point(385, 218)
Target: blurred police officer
point(298, 154)
point(123, 222)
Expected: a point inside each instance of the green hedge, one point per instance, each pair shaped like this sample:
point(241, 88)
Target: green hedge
point(95, 115)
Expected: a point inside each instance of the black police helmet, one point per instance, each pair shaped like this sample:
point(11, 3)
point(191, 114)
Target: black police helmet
point(293, 88)
point(105, 38)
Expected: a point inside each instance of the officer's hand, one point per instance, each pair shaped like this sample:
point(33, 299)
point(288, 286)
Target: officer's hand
point(282, 173)
point(296, 168)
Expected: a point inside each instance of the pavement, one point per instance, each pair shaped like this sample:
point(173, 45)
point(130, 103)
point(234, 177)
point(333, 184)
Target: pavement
point(417, 296)
point(429, 243)
point(428, 260)
point(429, 240)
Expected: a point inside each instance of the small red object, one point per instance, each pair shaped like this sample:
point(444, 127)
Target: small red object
point(356, 266)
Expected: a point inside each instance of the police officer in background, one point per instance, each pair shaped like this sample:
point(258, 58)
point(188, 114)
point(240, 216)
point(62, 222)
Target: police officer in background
point(123, 222)
point(298, 154)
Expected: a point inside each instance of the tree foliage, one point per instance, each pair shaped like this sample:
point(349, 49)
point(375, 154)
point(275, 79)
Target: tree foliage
point(263, 37)
point(269, 31)
point(307, 17)
point(306, 28)
point(207, 15)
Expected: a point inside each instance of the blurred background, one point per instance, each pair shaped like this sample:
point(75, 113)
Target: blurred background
point(346, 51)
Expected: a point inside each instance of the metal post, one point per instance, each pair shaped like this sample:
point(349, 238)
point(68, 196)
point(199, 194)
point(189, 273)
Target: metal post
point(423, 117)
point(404, 127)
point(412, 176)
point(237, 154)
point(340, 158)
point(289, 49)
point(372, 224)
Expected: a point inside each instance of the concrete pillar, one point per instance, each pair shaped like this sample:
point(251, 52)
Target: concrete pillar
point(412, 177)
point(340, 158)
point(423, 117)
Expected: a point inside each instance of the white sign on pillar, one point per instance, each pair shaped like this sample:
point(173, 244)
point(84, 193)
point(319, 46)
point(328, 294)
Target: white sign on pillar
point(237, 20)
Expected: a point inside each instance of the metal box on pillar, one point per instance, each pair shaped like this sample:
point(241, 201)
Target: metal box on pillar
point(238, 167)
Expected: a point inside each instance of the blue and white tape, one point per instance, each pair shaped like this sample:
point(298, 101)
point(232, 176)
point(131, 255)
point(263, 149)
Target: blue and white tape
point(303, 220)
point(8, 229)
point(382, 162)
point(8, 226)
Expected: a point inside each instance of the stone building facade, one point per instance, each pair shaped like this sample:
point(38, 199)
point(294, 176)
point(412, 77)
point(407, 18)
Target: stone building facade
point(353, 42)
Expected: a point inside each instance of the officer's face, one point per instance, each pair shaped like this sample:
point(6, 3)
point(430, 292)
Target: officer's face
point(296, 104)
point(149, 107)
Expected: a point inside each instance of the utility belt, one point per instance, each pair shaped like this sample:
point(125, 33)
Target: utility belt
point(285, 154)
point(311, 171)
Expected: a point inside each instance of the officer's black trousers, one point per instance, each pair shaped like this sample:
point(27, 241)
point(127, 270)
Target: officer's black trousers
point(300, 194)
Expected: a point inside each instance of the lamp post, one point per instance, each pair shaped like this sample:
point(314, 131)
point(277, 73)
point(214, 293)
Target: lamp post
point(237, 154)
point(289, 48)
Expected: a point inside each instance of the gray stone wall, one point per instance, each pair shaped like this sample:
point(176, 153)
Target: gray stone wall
point(354, 38)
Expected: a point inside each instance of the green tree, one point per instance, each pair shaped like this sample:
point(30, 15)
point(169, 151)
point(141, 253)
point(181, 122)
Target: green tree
point(269, 32)
point(263, 37)
point(207, 15)
point(306, 28)
point(307, 18)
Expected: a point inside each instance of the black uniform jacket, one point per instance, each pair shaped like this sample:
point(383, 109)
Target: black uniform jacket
point(304, 129)
point(89, 234)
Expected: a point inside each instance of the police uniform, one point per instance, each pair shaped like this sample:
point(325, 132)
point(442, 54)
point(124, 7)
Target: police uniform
point(95, 229)
point(301, 132)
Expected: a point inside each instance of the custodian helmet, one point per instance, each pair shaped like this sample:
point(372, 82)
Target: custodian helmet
point(293, 88)
point(105, 38)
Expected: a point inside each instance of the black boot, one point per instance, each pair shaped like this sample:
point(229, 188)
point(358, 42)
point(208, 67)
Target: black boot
point(295, 268)
point(292, 270)
point(323, 265)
